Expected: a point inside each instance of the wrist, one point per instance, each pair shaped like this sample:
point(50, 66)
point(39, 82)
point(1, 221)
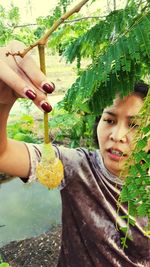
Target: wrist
point(4, 113)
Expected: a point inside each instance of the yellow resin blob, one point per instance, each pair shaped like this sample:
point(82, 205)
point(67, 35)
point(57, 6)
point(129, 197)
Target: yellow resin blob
point(49, 171)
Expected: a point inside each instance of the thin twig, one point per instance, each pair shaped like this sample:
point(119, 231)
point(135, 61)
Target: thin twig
point(66, 21)
point(44, 39)
point(84, 18)
point(25, 25)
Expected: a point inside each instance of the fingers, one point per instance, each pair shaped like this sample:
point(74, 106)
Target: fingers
point(8, 76)
point(24, 76)
point(23, 87)
point(30, 68)
point(38, 78)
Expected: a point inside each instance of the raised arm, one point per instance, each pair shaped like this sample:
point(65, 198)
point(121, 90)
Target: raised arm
point(18, 78)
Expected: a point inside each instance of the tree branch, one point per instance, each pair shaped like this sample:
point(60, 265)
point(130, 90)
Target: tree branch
point(84, 18)
point(25, 25)
point(114, 2)
point(44, 39)
point(66, 21)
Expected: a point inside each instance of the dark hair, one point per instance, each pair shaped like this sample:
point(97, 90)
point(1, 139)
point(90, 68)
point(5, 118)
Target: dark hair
point(141, 89)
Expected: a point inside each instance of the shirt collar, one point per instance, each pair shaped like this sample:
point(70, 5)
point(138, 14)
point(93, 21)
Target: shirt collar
point(113, 178)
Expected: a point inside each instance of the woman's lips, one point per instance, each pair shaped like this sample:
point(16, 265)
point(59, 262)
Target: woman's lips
point(116, 154)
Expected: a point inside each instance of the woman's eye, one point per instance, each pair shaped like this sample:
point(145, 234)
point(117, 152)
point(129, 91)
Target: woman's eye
point(109, 121)
point(133, 125)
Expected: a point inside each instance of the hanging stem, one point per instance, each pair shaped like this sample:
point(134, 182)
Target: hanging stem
point(41, 49)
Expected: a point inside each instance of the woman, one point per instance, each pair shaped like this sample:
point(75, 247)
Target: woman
point(91, 184)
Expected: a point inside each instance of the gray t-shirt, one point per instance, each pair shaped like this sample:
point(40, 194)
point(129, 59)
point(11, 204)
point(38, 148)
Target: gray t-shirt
point(91, 235)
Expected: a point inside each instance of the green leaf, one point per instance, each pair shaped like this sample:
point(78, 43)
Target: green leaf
point(142, 143)
point(123, 242)
point(146, 129)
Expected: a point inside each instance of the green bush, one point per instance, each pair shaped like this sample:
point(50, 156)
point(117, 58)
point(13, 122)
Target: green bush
point(23, 129)
point(4, 264)
point(72, 129)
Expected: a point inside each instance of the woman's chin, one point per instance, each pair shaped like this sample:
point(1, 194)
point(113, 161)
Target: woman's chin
point(114, 167)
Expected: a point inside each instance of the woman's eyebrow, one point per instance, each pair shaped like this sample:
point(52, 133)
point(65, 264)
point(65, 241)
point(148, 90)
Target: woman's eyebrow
point(132, 117)
point(110, 113)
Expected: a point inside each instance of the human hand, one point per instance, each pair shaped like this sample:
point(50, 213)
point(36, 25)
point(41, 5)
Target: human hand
point(21, 77)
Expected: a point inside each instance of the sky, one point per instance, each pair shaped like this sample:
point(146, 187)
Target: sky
point(44, 7)
point(38, 8)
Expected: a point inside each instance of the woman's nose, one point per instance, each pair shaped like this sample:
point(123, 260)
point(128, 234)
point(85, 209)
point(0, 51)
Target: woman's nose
point(119, 134)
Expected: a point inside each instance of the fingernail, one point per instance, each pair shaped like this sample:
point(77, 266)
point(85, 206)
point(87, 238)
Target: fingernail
point(30, 94)
point(48, 88)
point(46, 106)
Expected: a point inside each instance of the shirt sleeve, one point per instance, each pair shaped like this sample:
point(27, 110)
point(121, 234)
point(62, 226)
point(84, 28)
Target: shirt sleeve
point(35, 153)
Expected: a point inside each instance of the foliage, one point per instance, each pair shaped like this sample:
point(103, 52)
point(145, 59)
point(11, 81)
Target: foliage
point(3, 264)
point(72, 129)
point(8, 19)
point(46, 22)
point(9, 26)
point(25, 104)
point(118, 61)
point(22, 129)
point(136, 190)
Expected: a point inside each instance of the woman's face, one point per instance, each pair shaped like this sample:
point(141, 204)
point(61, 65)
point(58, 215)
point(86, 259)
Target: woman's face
point(116, 130)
